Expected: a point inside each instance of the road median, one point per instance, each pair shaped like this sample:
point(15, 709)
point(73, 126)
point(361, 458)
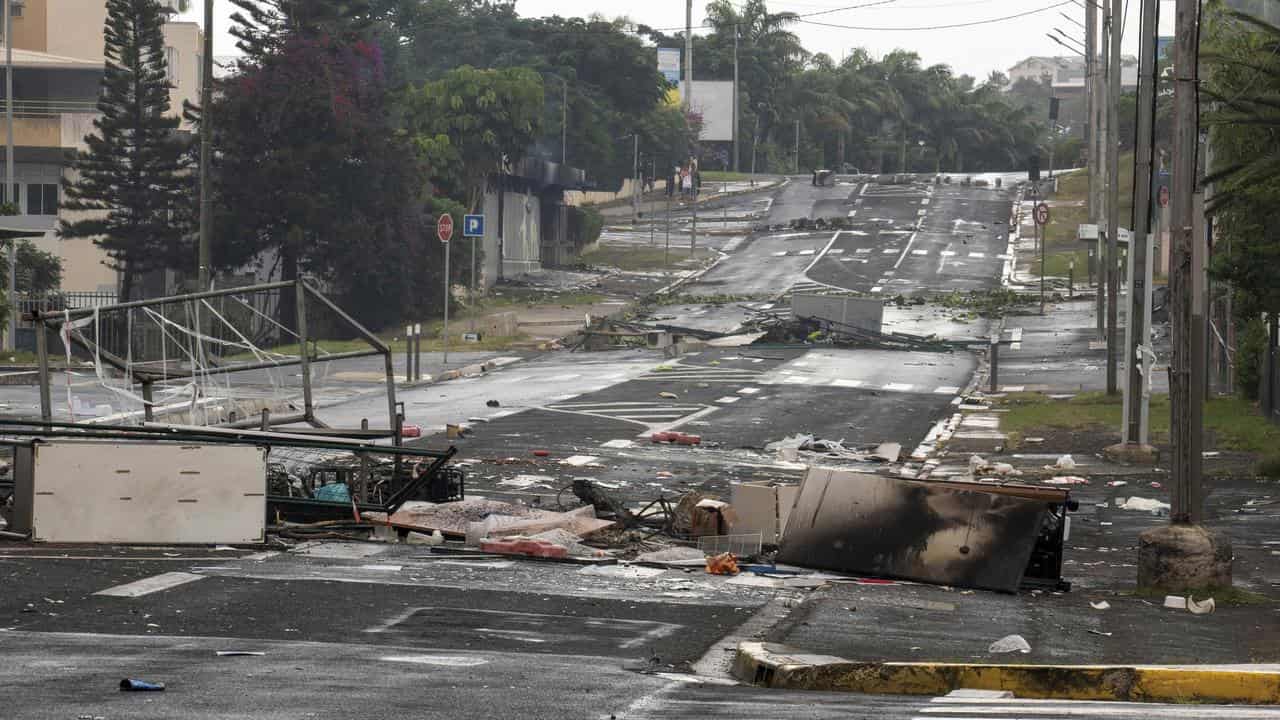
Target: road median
point(778, 666)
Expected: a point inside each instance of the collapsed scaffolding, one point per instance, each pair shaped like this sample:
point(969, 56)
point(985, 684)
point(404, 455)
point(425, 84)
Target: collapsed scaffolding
point(173, 357)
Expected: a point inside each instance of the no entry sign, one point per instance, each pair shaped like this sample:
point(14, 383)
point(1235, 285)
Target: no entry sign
point(444, 228)
point(1042, 214)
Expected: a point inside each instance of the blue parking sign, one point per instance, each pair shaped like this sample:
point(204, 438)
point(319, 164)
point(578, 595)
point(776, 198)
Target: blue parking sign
point(473, 226)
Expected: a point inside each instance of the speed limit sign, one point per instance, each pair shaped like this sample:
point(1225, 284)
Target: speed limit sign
point(1042, 214)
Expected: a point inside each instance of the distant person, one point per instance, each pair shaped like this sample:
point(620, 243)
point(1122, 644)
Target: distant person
point(671, 180)
point(814, 181)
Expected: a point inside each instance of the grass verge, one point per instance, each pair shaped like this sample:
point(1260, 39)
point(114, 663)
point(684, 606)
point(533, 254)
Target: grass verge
point(1233, 423)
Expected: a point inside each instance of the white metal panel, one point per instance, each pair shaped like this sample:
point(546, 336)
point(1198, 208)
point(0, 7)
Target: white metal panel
point(149, 492)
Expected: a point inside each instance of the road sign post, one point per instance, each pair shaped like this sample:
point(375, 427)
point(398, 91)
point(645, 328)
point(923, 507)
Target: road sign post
point(444, 231)
point(1042, 219)
point(472, 227)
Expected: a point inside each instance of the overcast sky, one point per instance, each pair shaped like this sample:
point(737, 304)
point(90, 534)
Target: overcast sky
point(975, 50)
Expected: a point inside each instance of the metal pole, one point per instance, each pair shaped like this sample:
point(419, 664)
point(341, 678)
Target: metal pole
point(304, 352)
point(445, 336)
point(735, 97)
point(1100, 153)
point(1113, 201)
point(408, 353)
point(417, 352)
point(635, 179)
point(666, 253)
point(1184, 398)
point(687, 96)
point(796, 168)
point(206, 145)
point(1137, 333)
point(471, 291)
point(564, 122)
point(42, 358)
point(8, 173)
point(995, 362)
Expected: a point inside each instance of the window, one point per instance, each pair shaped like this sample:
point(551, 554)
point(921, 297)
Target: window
point(171, 65)
point(42, 199)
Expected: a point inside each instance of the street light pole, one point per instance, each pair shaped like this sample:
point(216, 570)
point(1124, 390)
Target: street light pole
point(735, 97)
point(687, 97)
point(1100, 155)
point(1113, 201)
point(206, 143)
point(8, 173)
point(1137, 329)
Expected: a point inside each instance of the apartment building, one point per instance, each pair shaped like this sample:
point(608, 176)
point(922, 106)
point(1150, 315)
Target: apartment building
point(58, 61)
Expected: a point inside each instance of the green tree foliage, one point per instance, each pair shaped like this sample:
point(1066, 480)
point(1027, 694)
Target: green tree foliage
point(39, 272)
point(471, 122)
point(129, 183)
point(313, 177)
point(1242, 87)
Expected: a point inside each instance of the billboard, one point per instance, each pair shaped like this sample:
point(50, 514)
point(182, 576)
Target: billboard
point(713, 100)
point(669, 64)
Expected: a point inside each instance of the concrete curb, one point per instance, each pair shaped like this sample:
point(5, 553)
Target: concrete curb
point(777, 666)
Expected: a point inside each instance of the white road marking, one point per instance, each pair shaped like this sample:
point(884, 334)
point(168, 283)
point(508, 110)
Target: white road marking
point(852, 213)
point(919, 252)
point(924, 201)
point(383, 568)
point(921, 212)
point(948, 253)
point(1012, 388)
point(836, 251)
point(782, 253)
point(905, 251)
point(889, 251)
point(898, 387)
point(443, 660)
point(805, 252)
point(876, 289)
point(862, 250)
point(977, 255)
point(748, 390)
point(728, 399)
point(841, 382)
point(946, 390)
point(146, 586)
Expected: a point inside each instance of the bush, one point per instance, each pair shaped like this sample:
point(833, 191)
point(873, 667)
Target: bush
point(1252, 345)
point(1268, 467)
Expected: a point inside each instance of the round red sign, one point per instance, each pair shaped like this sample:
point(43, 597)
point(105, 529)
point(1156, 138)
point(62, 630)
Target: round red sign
point(1042, 214)
point(444, 228)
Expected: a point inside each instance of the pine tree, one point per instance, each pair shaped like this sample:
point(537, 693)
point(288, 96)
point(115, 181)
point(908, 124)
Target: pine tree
point(131, 180)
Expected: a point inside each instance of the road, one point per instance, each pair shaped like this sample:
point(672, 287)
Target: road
point(368, 630)
point(354, 630)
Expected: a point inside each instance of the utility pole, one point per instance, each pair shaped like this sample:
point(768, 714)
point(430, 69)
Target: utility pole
point(1137, 329)
point(1185, 400)
point(1100, 152)
point(1113, 198)
point(1091, 122)
point(206, 144)
point(9, 188)
point(735, 97)
point(564, 122)
point(687, 98)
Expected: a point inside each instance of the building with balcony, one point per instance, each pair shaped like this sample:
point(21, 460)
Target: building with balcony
point(57, 74)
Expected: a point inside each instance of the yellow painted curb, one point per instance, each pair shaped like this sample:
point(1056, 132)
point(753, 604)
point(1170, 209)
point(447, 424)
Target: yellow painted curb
point(779, 667)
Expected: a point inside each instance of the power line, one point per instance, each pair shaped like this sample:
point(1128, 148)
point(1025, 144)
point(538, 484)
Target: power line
point(974, 23)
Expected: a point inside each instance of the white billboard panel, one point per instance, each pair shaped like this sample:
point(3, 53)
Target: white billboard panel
point(713, 100)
